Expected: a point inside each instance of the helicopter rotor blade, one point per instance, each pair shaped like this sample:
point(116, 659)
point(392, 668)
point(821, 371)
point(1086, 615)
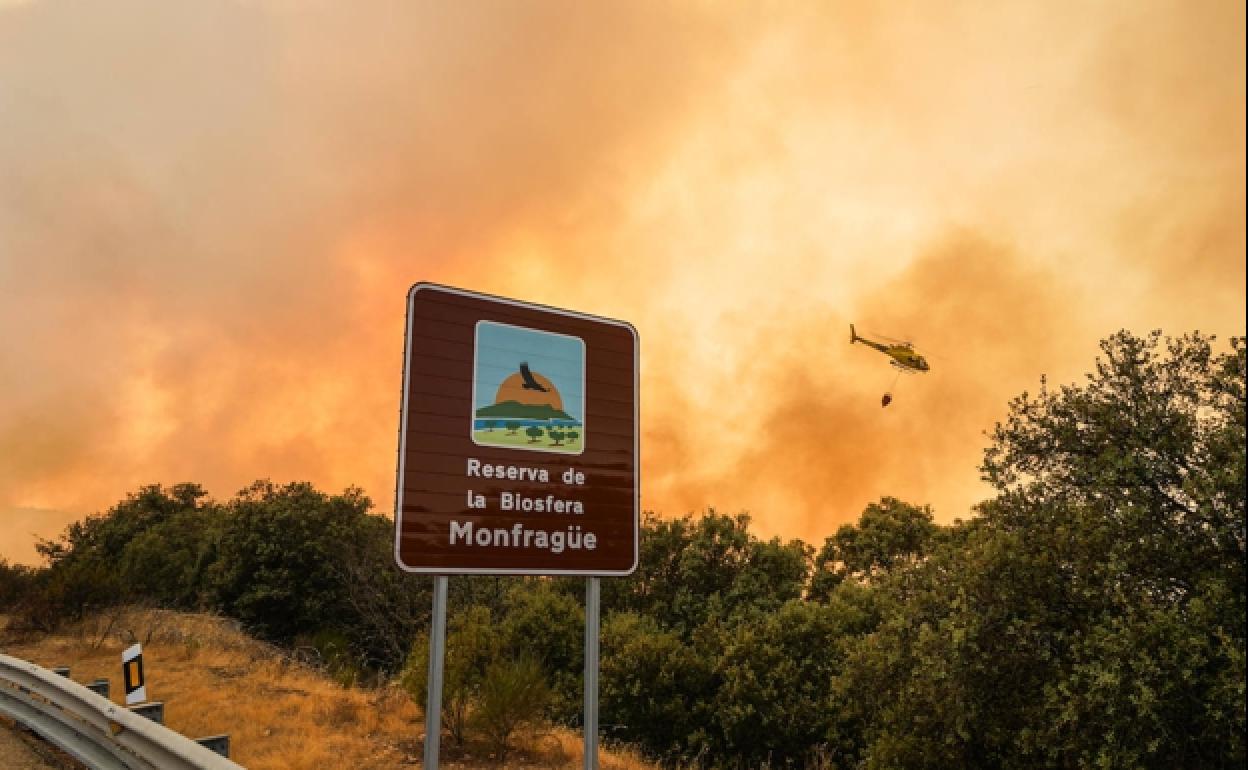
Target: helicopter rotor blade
point(910, 342)
point(893, 340)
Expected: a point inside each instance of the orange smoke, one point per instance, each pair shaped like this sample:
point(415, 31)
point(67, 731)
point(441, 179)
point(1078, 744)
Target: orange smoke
point(210, 214)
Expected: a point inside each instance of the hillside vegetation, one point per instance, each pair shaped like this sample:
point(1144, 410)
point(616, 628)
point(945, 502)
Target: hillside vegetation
point(1091, 614)
point(280, 711)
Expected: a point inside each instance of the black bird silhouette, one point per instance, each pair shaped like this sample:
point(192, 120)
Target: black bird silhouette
point(529, 382)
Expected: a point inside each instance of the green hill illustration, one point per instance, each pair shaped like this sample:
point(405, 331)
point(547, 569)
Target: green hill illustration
point(517, 410)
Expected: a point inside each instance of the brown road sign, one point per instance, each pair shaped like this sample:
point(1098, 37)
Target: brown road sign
point(518, 439)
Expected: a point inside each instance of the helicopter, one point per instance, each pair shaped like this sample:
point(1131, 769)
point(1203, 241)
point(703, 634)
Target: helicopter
point(901, 355)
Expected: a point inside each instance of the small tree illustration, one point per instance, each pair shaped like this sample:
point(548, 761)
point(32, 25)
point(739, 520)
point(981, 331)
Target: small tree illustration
point(573, 435)
point(534, 433)
point(512, 427)
point(490, 425)
point(556, 435)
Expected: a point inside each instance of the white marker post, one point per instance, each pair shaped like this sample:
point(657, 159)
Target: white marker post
point(132, 675)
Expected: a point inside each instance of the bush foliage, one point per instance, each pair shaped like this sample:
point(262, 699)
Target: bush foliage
point(1090, 614)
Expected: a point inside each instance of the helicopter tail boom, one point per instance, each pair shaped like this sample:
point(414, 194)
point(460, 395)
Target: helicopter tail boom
point(853, 337)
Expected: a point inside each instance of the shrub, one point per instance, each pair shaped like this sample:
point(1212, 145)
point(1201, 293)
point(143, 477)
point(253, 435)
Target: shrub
point(513, 695)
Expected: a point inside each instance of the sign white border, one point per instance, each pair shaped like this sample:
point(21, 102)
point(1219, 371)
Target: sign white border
point(403, 412)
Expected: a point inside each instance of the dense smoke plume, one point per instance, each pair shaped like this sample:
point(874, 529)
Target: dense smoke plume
point(210, 214)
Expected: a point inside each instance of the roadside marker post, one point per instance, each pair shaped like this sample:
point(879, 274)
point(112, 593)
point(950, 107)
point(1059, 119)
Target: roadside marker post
point(132, 675)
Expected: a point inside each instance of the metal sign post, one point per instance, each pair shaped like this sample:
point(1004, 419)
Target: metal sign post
point(519, 448)
point(593, 596)
point(437, 656)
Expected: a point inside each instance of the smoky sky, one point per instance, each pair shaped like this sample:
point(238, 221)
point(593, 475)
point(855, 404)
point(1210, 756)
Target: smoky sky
point(210, 214)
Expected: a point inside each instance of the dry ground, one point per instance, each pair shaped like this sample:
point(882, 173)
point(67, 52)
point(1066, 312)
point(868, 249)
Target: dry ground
point(21, 749)
point(280, 714)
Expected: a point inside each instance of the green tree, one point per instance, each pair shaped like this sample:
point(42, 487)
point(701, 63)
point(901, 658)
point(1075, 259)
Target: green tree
point(383, 608)
point(495, 674)
point(691, 638)
point(692, 570)
point(1152, 447)
point(106, 535)
point(1093, 614)
point(534, 433)
point(512, 696)
point(1137, 480)
point(950, 677)
point(16, 581)
point(657, 688)
point(282, 554)
point(166, 563)
point(772, 704)
point(547, 625)
point(152, 547)
point(66, 593)
point(889, 535)
point(472, 643)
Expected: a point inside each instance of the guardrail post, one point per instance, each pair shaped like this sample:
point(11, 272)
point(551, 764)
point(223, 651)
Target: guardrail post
point(99, 686)
point(217, 743)
point(154, 711)
point(96, 731)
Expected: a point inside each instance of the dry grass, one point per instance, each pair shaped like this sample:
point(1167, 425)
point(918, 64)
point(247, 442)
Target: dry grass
point(280, 714)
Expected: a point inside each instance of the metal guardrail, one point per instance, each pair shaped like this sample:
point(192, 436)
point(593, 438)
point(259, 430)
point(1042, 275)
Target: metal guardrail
point(93, 729)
